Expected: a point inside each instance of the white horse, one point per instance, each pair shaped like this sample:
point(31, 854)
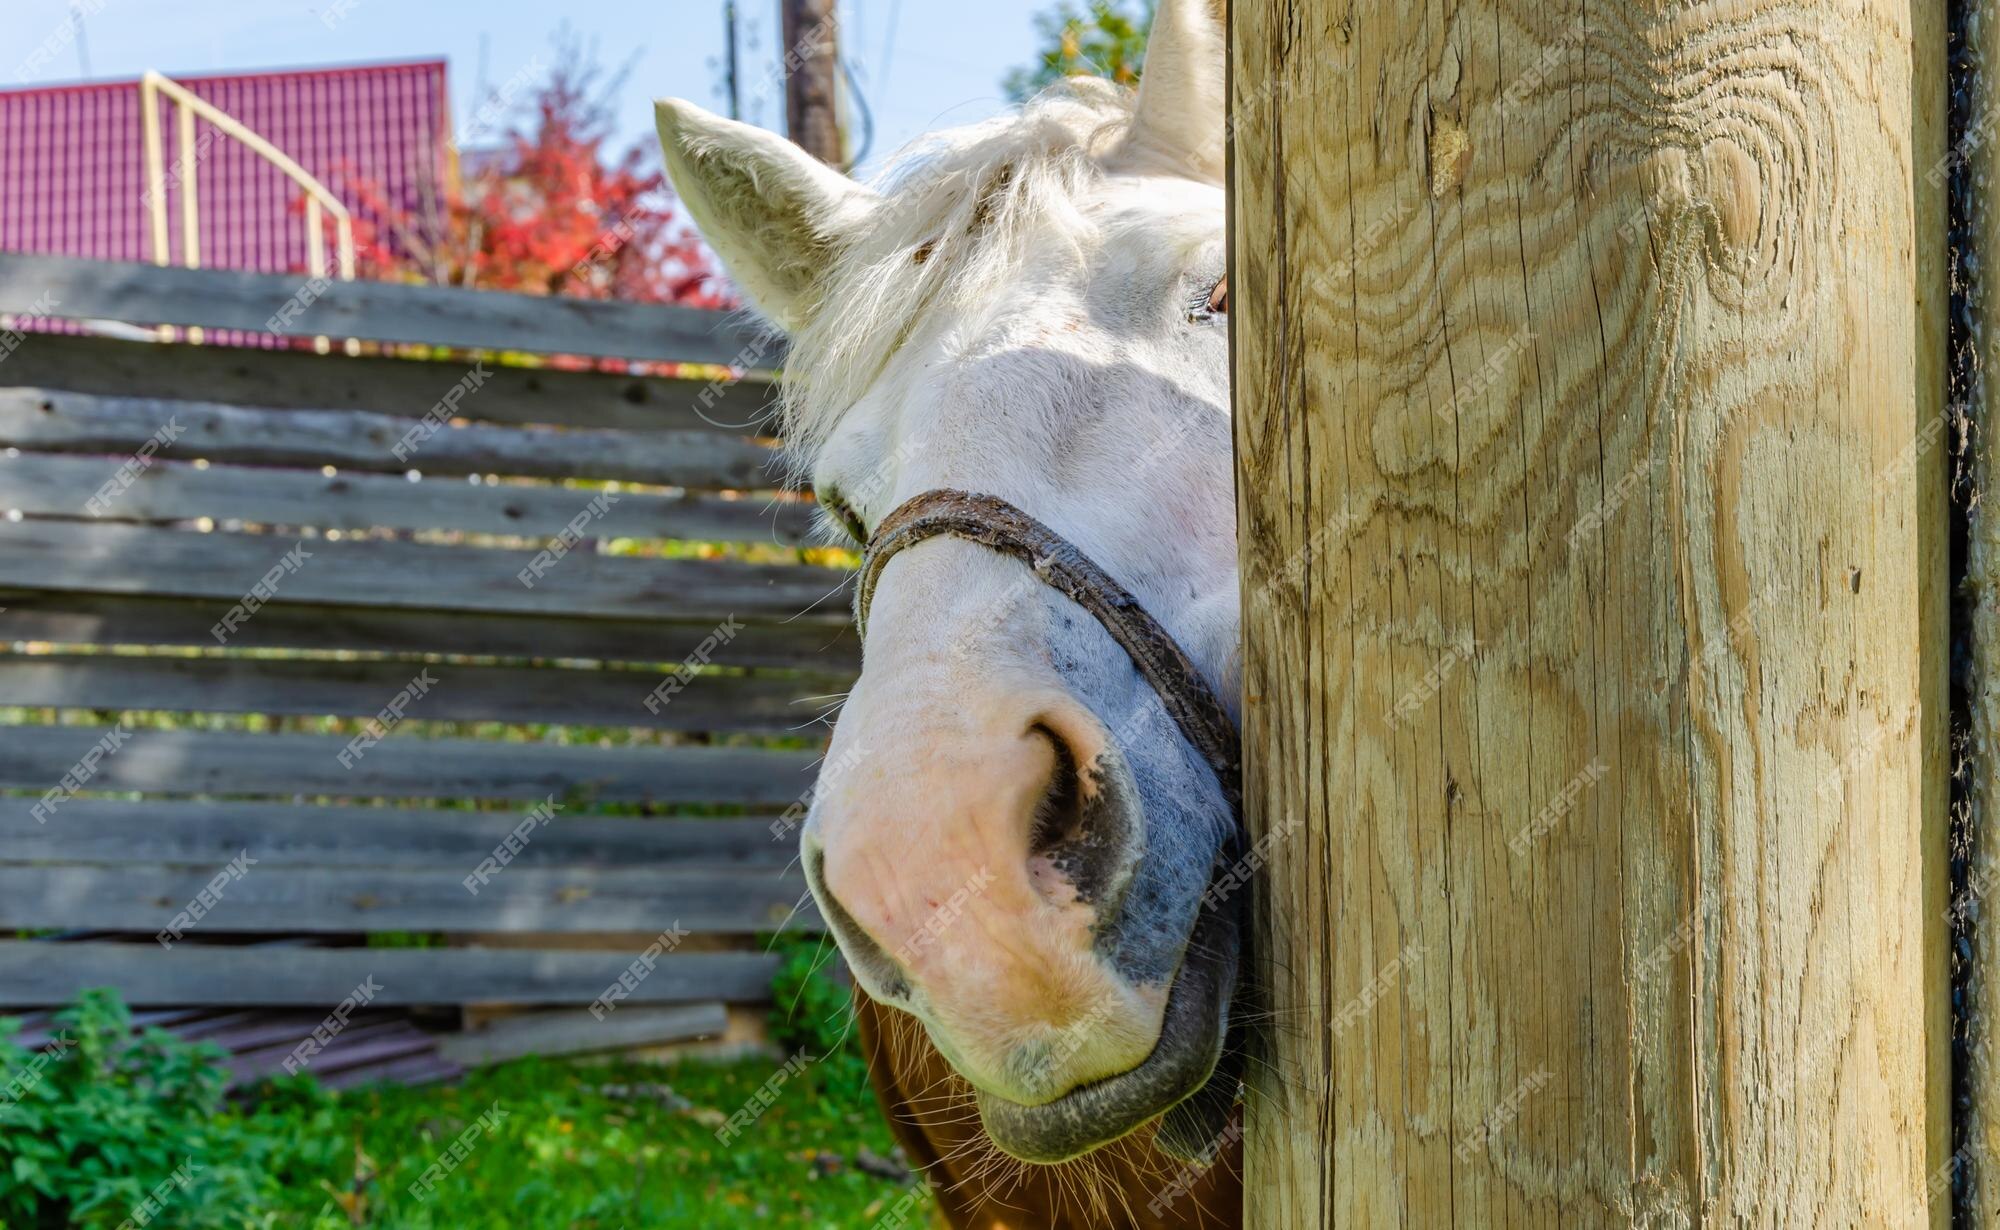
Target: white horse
point(1013, 841)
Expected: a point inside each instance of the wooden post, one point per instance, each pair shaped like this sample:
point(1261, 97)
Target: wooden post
point(1589, 370)
point(1976, 163)
point(812, 76)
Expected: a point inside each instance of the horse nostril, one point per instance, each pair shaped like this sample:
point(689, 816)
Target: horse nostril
point(1059, 815)
point(1082, 835)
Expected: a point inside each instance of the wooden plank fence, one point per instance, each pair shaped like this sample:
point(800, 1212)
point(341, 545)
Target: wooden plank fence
point(546, 663)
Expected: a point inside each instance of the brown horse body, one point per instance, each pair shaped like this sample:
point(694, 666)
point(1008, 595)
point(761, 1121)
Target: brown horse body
point(1126, 1186)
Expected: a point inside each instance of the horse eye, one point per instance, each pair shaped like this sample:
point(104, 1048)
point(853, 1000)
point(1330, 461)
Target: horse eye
point(1213, 303)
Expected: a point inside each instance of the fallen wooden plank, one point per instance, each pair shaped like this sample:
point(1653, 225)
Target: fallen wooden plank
point(53, 485)
point(51, 421)
point(578, 1032)
point(308, 766)
point(407, 388)
point(287, 305)
point(40, 974)
point(824, 641)
point(162, 831)
point(124, 559)
point(455, 692)
point(248, 896)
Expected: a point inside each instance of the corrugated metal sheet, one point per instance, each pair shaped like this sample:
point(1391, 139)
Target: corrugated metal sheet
point(72, 161)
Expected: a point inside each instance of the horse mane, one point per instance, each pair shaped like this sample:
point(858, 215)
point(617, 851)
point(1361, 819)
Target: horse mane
point(959, 210)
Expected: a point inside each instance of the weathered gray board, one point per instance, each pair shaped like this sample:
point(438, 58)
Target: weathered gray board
point(578, 1032)
point(52, 421)
point(164, 832)
point(406, 388)
point(257, 898)
point(47, 485)
point(379, 311)
point(127, 559)
point(353, 688)
point(37, 974)
point(824, 641)
point(232, 763)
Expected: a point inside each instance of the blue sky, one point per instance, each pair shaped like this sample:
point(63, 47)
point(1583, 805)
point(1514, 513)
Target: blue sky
point(940, 64)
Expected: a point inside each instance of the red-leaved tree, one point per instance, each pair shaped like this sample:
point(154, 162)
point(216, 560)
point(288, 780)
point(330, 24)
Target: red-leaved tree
point(549, 211)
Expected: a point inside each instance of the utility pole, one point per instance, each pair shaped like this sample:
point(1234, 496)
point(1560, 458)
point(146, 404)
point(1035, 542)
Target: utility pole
point(731, 79)
point(811, 66)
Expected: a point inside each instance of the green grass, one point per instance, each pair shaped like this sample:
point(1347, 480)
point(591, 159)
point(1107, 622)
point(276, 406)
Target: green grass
point(567, 1154)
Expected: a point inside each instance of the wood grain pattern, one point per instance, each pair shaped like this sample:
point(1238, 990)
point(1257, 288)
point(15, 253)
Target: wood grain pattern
point(1594, 603)
point(39, 974)
point(551, 1034)
point(123, 559)
point(43, 420)
point(345, 687)
point(819, 642)
point(41, 484)
point(380, 311)
point(649, 899)
point(231, 763)
point(163, 831)
point(406, 388)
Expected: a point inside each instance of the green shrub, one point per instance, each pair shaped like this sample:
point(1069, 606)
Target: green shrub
point(812, 1013)
point(103, 1126)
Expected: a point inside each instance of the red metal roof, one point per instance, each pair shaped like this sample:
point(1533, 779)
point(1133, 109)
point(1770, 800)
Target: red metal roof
point(73, 174)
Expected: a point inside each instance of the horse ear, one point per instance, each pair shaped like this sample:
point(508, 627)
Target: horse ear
point(775, 214)
point(1180, 123)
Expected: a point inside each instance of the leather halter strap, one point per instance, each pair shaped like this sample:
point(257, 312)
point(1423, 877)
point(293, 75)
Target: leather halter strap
point(1162, 663)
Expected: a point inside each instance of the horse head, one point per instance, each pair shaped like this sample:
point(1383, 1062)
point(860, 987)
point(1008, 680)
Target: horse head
point(1014, 840)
